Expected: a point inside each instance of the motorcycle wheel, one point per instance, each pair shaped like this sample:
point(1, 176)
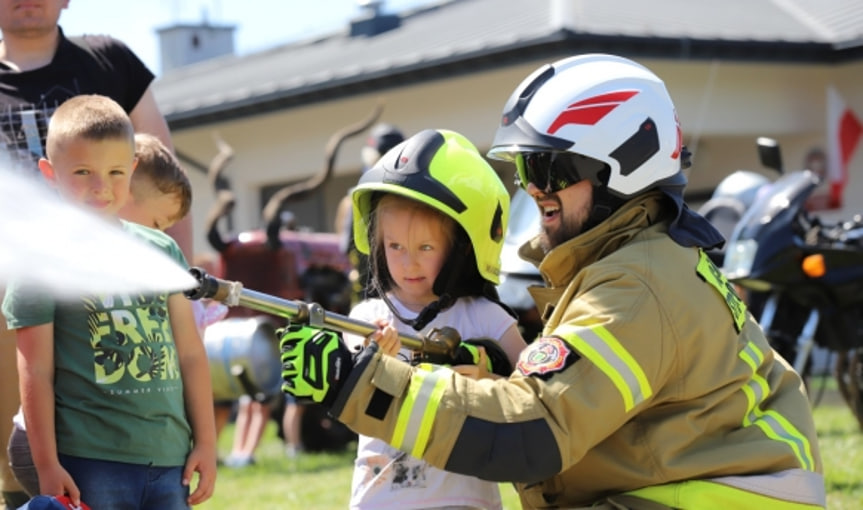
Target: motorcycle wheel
point(848, 372)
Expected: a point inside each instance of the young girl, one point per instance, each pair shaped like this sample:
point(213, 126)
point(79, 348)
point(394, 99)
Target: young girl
point(431, 216)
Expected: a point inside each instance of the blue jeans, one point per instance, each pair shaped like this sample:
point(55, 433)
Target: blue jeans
point(119, 486)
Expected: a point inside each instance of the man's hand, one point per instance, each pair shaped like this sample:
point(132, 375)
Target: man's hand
point(315, 363)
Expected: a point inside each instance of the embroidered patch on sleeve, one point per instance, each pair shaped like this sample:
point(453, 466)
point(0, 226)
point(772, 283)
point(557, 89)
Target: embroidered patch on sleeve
point(545, 355)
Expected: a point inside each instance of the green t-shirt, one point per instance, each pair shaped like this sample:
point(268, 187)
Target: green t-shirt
point(117, 383)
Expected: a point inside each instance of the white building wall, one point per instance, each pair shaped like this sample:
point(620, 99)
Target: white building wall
point(723, 107)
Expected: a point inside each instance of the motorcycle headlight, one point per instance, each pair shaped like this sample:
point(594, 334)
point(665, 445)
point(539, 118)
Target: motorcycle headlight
point(739, 256)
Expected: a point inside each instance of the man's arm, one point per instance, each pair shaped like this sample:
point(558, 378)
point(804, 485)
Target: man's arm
point(147, 118)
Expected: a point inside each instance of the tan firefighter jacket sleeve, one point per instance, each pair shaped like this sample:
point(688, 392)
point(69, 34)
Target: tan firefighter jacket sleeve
point(650, 371)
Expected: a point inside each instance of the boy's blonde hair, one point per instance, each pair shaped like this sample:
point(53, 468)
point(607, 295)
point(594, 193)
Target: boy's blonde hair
point(90, 117)
point(158, 169)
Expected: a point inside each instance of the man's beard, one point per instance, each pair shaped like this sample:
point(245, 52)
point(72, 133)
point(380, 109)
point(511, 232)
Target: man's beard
point(571, 225)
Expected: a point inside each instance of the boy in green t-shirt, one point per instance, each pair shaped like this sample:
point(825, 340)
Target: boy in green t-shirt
point(115, 389)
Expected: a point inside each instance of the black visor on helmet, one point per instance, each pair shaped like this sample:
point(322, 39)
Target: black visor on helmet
point(553, 171)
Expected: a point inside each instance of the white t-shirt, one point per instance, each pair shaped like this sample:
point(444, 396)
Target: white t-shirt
point(18, 419)
point(386, 478)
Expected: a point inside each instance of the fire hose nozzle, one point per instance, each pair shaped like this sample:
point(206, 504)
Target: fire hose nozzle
point(213, 288)
point(207, 285)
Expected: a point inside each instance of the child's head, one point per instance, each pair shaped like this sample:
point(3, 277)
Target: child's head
point(414, 240)
point(462, 205)
point(161, 193)
point(90, 153)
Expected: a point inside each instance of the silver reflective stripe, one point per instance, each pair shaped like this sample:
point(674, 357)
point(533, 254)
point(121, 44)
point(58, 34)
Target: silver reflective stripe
point(755, 356)
point(776, 426)
point(779, 430)
point(420, 404)
point(758, 396)
point(607, 353)
point(797, 485)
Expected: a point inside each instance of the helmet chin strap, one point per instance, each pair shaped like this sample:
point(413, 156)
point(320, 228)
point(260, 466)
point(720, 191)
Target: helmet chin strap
point(458, 277)
point(447, 284)
point(444, 283)
point(604, 205)
point(426, 315)
point(452, 282)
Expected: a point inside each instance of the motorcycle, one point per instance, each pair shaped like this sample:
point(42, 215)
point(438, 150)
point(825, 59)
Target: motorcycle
point(733, 196)
point(804, 277)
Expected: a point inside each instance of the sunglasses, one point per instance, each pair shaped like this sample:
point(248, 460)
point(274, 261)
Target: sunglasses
point(554, 171)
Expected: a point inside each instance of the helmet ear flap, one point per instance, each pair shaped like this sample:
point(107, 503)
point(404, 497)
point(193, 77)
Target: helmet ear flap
point(459, 275)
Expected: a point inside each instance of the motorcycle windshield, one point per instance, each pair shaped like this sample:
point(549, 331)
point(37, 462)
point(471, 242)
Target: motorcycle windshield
point(780, 202)
point(766, 229)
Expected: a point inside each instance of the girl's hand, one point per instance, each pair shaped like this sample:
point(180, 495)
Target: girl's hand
point(387, 338)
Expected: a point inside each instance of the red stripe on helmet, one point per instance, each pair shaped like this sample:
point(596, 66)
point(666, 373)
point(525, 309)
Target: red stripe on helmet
point(611, 97)
point(589, 111)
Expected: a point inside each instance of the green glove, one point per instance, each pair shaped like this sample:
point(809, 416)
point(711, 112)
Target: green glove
point(315, 363)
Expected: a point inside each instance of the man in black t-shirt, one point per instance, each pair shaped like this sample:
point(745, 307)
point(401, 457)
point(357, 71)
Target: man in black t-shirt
point(40, 68)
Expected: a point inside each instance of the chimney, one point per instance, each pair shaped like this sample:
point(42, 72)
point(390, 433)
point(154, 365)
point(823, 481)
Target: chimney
point(185, 44)
point(372, 21)
point(565, 14)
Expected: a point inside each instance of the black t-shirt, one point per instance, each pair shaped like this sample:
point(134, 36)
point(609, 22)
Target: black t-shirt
point(90, 64)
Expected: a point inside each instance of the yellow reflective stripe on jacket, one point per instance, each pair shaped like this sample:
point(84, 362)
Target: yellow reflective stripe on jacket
point(416, 415)
point(708, 495)
point(774, 425)
point(598, 345)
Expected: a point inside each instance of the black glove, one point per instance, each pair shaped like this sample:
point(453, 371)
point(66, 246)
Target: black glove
point(315, 363)
point(467, 353)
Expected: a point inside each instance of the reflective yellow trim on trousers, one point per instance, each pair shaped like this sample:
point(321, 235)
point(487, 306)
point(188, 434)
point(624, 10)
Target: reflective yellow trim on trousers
point(707, 495)
point(416, 416)
point(598, 345)
point(773, 424)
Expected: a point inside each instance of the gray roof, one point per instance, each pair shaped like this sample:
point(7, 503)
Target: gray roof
point(463, 36)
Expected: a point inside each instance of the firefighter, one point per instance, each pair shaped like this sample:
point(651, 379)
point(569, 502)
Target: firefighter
point(651, 385)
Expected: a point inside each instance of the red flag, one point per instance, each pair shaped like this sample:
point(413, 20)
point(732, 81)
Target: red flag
point(843, 133)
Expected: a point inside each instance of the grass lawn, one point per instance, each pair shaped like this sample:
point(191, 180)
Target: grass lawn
point(323, 481)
